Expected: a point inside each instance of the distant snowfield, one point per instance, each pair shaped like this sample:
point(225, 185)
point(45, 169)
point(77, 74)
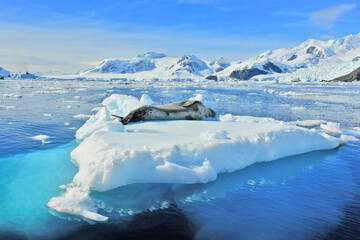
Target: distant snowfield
point(112, 155)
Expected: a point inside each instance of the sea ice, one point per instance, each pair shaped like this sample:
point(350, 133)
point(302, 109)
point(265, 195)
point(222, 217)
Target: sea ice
point(82, 116)
point(310, 123)
point(112, 155)
point(42, 138)
point(331, 128)
point(347, 138)
point(6, 107)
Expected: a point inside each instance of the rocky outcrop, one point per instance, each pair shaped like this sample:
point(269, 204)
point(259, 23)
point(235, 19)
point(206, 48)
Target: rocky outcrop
point(296, 80)
point(293, 57)
point(246, 74)
point(356, 59)
point(212, 77)
point(351, 77)
point(270, 66)
point(314, 51)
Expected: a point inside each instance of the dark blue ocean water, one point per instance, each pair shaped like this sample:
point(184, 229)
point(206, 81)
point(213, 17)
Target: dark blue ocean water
point(309, 196)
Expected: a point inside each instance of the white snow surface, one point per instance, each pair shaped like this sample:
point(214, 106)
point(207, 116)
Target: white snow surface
point(112, 155)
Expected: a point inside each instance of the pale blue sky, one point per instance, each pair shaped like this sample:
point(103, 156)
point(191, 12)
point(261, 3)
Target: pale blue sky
point(69, 35)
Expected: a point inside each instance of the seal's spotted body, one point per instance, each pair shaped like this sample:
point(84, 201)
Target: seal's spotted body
point(183, 110)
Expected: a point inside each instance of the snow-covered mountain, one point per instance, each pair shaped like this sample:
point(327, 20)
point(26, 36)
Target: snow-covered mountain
point(156, 66)
point(4, 73)
point(313, 60)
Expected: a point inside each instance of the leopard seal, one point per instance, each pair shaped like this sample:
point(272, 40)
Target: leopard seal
point(183, 110)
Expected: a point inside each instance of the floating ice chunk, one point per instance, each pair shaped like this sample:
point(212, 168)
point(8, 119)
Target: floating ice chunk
point(198, 97)
point(347, 138)
point(146, 99)
point(310, 123)
point(6, 107)
point(67, 123)
point(47, 114)
point(81, 116)
point(298, 108)
point(174, 151)
point(352, 133)
point(289, 94)
point(113, 155)
point(331, 128)
point(42, 138)
point(271, 91)
point(12, 95)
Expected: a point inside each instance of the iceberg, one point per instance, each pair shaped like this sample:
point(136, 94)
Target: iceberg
point(112, 155)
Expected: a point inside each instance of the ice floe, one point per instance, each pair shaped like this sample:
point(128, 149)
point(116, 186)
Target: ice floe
point(42, 138)
point(112, 155)
point(309, 123)
point(331, 128)
point(81, 116)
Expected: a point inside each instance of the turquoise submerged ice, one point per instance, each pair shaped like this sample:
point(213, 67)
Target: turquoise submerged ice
point(220, 173)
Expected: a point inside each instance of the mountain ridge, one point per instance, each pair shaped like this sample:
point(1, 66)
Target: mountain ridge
point(312, 60)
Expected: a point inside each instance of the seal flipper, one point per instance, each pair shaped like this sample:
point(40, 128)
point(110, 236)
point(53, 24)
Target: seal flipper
point(121, 118)
point(190, 102)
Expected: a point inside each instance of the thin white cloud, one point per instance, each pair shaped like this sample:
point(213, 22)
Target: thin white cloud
point(327, 17)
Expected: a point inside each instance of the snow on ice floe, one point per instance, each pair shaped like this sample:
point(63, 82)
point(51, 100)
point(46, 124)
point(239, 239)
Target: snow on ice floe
point(112, 155)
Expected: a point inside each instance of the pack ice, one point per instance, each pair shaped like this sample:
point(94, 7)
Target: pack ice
point(112, 155)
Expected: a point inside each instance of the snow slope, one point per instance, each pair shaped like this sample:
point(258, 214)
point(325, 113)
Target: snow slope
point(155, 66)
point(310, 61)
point(4, 73)
point(112, 155)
